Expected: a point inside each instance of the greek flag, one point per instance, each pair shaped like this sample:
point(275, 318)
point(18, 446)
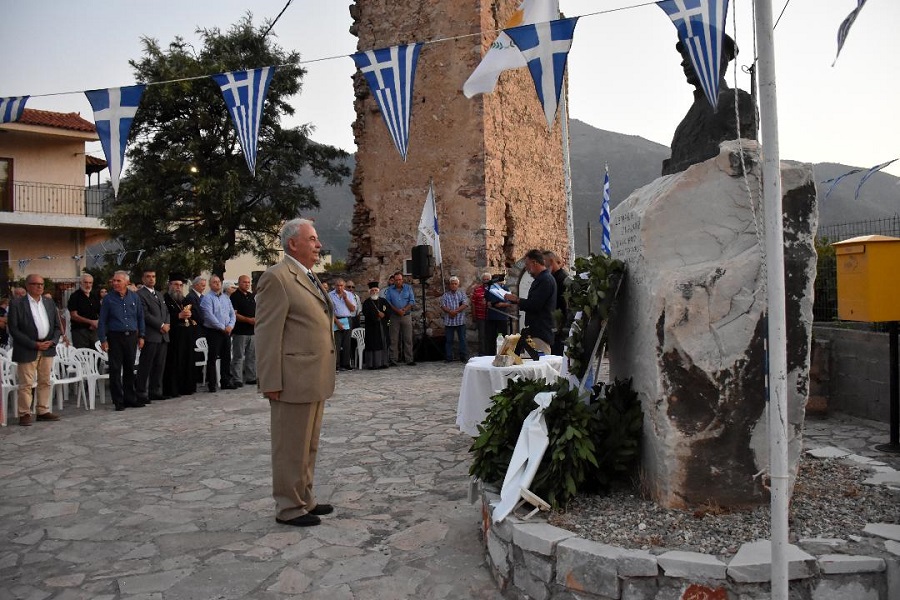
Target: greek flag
point(428, 226)
point(245, 95)
point(11, 108)
point(391, 73)
point(844, 29)
point(546, 48)
point(701, 25)
point(869, 173)
point(605, 246)
point(114, 111)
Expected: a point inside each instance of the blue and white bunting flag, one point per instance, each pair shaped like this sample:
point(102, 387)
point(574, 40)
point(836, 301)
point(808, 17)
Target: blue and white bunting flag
point(605, 246)
point(836, 180)
point(844, 29)
point(245, 95)
point(701, 27)
point(869, 173)
point(428, 226)
point(545, 47)
point(114, 111)
point(391, 73)
point(11, 108)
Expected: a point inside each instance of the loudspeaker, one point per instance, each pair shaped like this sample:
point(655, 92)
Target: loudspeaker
point(422, 261)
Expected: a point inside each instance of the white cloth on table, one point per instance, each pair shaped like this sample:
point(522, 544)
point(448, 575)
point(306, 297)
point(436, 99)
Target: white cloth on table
point(481, 380)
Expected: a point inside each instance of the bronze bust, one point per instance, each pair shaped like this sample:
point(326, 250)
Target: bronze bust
point(702, 129)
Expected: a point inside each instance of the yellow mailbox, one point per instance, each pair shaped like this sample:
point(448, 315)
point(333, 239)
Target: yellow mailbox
point(868, 278)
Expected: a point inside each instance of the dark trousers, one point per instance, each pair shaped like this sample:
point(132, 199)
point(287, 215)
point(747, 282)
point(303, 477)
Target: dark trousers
point(84, 338)
point(150, 370)
point(219, 344)
point(342, 348)
point(492, 329)
point(122, 350)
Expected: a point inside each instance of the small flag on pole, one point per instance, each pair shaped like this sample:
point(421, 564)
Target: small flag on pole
point(701, 27)
point(844, 29)
point(428, 226)
point(11, 108)
point(390, 73)
point(605, 246)
point(546, 48)
point(114, 111)
point(245, 96)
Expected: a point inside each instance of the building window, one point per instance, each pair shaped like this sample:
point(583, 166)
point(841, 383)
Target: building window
point(6, 184)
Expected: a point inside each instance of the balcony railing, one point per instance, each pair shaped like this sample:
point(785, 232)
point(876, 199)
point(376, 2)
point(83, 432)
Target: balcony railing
point(56, 199)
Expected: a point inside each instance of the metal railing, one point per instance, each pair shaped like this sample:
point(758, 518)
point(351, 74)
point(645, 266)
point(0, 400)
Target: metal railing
point(57, 199)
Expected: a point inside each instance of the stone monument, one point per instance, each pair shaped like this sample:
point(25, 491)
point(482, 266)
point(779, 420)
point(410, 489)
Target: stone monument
point(690, 324)
point(497, 170)
point(701, 130)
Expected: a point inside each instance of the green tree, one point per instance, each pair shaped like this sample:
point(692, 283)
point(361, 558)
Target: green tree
point(189, 199)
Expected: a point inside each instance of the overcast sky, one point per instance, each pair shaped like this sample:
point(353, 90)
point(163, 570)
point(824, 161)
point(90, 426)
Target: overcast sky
point(624, 73)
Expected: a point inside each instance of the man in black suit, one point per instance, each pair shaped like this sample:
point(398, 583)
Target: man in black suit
point(34, 327)
point(149, 384)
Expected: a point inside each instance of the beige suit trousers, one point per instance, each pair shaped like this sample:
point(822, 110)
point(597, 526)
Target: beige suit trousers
point(295, 444)
point(26, 372)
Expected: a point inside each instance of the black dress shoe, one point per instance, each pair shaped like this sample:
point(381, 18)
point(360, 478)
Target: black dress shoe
point(411, 363)
point(250, 382)
point(322, 509)
point(392, 364)
point(135, 405)
point(155, 397)
point(230, 386)
point(211, 390)
point(238, 384)
point(120, 407)
point(307, 520)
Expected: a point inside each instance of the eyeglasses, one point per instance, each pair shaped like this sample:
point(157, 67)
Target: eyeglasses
point(35, 283)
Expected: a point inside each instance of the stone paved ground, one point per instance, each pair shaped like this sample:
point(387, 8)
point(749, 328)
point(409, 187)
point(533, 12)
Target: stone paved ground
point(172, 501)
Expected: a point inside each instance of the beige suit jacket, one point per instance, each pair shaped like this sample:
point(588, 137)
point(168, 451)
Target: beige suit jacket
point(294, 342)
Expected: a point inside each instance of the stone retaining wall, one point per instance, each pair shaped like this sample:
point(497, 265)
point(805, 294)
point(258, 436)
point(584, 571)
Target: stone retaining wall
point(532, 559)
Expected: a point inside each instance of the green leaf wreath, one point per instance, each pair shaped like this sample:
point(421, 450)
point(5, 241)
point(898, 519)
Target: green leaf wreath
point(590, 292)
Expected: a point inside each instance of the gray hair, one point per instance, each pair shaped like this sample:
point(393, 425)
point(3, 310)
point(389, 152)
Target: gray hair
point(454, 278)
point(486, 274)
point(291, 229)
point(123, 274)
point(198, 279)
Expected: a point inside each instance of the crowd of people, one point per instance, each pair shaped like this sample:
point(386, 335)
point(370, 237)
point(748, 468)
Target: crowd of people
point(165, 326)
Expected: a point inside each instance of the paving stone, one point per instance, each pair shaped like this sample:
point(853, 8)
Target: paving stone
point(887, 531)
point(753, 563)
point(691, 565)
point(843, 563)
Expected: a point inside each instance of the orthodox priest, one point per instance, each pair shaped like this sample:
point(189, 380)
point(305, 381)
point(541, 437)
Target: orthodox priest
point(178, 379)
point(375, 311)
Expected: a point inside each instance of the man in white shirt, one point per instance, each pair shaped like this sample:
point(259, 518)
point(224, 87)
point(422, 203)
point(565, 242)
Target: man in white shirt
point(34, 327)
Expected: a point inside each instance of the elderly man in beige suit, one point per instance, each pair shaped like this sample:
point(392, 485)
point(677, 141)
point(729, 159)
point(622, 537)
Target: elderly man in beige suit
point(295, 370)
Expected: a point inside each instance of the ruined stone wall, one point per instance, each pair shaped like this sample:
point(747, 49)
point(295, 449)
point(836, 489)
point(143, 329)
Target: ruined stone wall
point(497, 171)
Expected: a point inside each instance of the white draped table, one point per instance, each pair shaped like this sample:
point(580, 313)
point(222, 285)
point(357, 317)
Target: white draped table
point(481, 380)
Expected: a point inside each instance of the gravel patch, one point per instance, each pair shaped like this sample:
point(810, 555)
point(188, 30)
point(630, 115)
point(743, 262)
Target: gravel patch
point(829, 501)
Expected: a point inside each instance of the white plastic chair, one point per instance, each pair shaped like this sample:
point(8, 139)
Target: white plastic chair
point(10, 387)
point(90, 367)
point(201, 345)
point(359, 334)
point(66, 371)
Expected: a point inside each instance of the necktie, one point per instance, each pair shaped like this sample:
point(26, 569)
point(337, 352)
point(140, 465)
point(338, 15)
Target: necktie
point(315, 283)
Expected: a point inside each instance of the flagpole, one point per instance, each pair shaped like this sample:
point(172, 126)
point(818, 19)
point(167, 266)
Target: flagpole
point(567, 172)
point(774, 261)
point(434, 208)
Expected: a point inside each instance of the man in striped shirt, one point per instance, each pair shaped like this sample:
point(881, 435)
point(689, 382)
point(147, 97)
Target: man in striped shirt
point(453, 305)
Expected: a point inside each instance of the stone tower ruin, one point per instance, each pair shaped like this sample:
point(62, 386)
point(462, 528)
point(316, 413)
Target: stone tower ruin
point(497, 170)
